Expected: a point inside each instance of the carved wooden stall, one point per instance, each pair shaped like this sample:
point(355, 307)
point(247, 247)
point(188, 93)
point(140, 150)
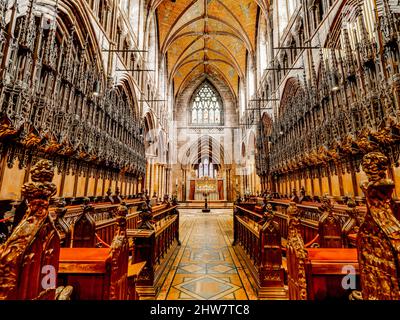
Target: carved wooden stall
point(29, 259)
point(99, 273)
point(345, 105)
point(316, 273)
point(58, 103)
point(32, 262)
point(338, 223)
point(99, 219)
point(154, 241)
point(320, 224)
point(259, 243)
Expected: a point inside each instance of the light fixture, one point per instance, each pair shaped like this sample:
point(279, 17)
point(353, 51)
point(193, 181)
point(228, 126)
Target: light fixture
point(335, 88)
point(335, 83)
point(96, 88)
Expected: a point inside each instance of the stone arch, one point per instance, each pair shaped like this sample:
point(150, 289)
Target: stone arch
point(230, 103)
point(149, 131)
point(292, 89)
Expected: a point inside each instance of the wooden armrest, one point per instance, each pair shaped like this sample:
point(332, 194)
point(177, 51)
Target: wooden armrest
point(83, 260)
point(284, 264)
point(308, 244)
point(135, 269)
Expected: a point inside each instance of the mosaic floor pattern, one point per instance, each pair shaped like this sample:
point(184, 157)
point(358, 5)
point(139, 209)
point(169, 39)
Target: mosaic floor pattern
point(206, 266)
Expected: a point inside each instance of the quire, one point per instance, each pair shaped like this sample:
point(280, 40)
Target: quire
point(199, 150)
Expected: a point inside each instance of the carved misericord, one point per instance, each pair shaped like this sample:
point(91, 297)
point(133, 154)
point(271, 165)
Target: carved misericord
point(378, 239)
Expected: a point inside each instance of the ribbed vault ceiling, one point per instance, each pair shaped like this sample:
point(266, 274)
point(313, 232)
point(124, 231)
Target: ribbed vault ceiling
point(201, 37)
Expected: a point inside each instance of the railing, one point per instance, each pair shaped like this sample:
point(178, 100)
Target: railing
point(165, 235)
point(160, 212)
point(248, 236)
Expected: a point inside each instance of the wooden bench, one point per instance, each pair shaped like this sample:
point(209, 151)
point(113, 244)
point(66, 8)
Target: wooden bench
point(85, 228)
point(316, 273)
point(325, 269)
point(154, 243)
point(326, 232)
point(312, 214)
point(259, 245)
point(87, 270)
point(29, 259)
point(99, 273)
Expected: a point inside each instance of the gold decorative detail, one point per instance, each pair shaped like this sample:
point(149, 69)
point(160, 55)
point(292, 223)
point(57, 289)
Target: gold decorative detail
point(32, 139)
point(51, 144)
point(363, 142)
point(378, 239)
point(375, 165)
point(6, 129)
point(296, 257)
point(64, 293)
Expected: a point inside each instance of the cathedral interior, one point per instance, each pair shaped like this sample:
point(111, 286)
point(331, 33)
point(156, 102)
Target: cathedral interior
point(199, 150)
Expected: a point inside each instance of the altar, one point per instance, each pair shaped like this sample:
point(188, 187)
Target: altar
point(213, 188)
point(212, 196)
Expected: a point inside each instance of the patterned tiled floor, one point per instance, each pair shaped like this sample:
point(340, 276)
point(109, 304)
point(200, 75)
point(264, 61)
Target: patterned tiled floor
point(206, 266)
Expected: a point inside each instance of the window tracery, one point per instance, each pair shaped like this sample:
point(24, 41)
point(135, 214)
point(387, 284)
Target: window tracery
point(206, 107)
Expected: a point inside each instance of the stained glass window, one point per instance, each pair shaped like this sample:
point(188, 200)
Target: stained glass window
point(206, 107)
point(206, 169)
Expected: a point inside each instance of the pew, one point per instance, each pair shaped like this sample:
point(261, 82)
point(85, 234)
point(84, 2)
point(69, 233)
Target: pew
point(98, 273)
point(316, 273)
point(259, 245)
point(29, 259)
point(345, 217)
point(78, 218)
point(154, 241)
point(248, 223)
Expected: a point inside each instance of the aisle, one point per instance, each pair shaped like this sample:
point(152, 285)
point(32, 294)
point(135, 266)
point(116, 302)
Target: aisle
point(206, 266)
